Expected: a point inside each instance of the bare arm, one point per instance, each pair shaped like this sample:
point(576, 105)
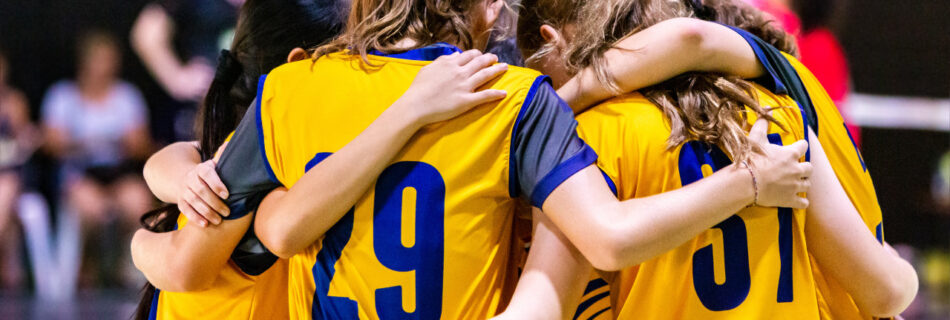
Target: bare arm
point(614, 234)
point(661, 52)
point(152, 41)
point(188, 259)
point(881, 283)
point(554, 277)
point(165, 169)
point(326, 192)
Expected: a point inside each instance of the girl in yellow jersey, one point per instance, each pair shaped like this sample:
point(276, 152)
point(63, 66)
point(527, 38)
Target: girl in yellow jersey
point(206, 204)
point(220, 272)
point(429, 240)
point(636, 141)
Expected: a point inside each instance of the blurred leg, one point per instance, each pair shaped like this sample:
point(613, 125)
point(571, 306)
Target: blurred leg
point(11, 269)
point(34, 215)
point(9, 189)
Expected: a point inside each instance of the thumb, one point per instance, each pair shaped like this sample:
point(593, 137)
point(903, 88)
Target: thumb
point(800, 147)
point(759, 130)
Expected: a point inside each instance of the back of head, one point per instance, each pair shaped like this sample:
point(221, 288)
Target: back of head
point(384, 25)
point(267, 31)
point(700, 106)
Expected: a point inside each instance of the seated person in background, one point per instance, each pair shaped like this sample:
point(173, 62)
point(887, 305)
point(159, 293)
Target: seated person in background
point(97, 127)
point(17, 141)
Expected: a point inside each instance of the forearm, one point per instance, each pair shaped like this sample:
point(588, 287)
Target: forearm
point(151, 41)
point(328, 190)
point(165, 170)
point(661, 52)
point(151, 255)
point(664, 221)
point(880, 282)
point(189, 258)
point(553, 279)
point(614, 235)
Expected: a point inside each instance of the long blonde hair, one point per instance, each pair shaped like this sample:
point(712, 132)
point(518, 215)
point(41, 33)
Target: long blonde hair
point(382, 24)
point(700, 106)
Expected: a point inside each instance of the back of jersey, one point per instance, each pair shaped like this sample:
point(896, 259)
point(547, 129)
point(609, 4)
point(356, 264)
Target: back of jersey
point(753, 265)
point(431, 239)
point(851, 171)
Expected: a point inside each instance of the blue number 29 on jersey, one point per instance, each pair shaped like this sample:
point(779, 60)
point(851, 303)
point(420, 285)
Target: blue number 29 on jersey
point(733, 292)
point(425, 256)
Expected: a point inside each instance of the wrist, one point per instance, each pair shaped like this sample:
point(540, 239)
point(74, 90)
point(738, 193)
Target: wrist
point(405, 114)
point(742, 180)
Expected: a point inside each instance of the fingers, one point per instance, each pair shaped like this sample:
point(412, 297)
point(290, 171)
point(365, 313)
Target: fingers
point(799, 148)
point(486, 96)
point(759, 130)
point(487, 74)
point(210, 177)
point(479, 63)
point(199, 206)
point(807, 169)
point(467, 56)
point(799, 203)
point(209, 198)
point(191, 214)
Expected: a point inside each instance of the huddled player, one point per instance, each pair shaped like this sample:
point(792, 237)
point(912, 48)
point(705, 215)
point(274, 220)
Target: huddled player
point(377, 177)
point(673, 134)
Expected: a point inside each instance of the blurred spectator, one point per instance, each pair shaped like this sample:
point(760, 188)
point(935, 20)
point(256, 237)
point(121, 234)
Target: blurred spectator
point(178, 41)
point(822, 53)
point(781, 10)
point(96, 127)
point(18, 140)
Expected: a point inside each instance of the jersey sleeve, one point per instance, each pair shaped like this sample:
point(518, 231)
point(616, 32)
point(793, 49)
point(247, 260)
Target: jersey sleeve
point(245, 173)
point(545, 147)
point(781, 77)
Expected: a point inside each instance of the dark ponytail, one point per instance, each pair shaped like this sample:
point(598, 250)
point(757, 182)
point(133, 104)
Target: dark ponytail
point(266, 32)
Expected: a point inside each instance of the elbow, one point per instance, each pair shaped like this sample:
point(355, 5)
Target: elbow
point(607, 254)
point(692, 34)
point(279, 243)
point(896, 295)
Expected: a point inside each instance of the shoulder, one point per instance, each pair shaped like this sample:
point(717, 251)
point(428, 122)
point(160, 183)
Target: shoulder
point(624, 110)
point(61, 88)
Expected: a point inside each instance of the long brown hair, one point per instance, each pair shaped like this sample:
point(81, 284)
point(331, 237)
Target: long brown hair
point(700, 106)
point(382, 24)
point(261, 43)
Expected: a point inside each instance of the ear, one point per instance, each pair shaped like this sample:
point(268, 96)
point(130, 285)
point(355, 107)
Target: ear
point(493, 10)
point(297, 54)
point(550, 35)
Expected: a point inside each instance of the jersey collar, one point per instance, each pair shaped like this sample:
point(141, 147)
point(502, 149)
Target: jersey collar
point(427, 53)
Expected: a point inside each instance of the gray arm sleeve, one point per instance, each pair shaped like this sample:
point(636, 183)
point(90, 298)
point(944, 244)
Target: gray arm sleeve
point(248, 177)
point(545, 148)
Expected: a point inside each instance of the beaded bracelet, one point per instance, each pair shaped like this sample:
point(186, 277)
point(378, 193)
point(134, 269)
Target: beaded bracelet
point(755, 185)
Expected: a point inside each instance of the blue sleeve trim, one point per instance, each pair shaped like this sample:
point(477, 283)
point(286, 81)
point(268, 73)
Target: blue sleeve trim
point(512, 161)
point(775, 85)
point(260, 129)
point(428, 53)
point(561, 173)
point(610, 182)
point(153, 312)
point(805, 130)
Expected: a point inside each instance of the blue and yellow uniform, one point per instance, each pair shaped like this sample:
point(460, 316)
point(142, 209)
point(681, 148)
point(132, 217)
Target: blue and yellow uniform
point(842, 153)
point(432, 238)
point(753, 265)
point(235, 294)
point(253, 284)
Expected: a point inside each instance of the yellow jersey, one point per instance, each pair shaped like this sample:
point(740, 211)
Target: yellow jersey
point(233, 295)
point(432, 238)
point(753, 265)
point(787, 74)
point(849, 167)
